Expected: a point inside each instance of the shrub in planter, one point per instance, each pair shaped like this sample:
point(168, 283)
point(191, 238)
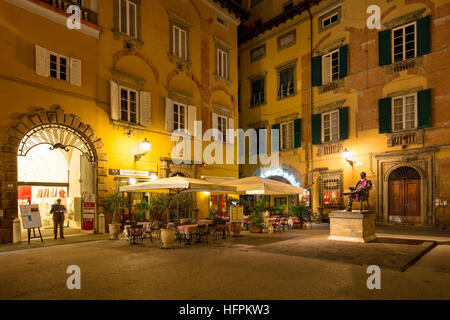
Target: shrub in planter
point(256, 219)
point(113, 204)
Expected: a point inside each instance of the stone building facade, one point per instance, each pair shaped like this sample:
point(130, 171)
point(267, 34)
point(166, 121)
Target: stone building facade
point(367, 100)
point(118, 80)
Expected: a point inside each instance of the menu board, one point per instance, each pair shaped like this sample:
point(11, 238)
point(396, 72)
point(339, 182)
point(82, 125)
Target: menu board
point(31, 217)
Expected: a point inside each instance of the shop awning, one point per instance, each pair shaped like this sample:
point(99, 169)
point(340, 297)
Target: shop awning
point(178, 184)
point(257, 185)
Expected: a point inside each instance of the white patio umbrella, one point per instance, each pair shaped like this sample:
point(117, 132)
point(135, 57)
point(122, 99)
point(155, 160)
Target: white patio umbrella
point(178, 184)
point(257, 185)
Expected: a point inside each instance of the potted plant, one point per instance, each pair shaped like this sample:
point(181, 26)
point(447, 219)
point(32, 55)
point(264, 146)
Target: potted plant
point(163, 204)
point(113, 203)
point(256, 218)
point(297, 211)
point(142, 207)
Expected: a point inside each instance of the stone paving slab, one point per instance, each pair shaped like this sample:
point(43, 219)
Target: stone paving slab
point(386, 252)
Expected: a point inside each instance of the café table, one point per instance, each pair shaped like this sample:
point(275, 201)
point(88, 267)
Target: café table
point(188, 230)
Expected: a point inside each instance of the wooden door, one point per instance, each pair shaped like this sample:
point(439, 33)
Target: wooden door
point(396, 201)
point(404, 201)
point(412, 201)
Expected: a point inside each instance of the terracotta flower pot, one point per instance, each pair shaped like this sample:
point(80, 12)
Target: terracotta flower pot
point(114, 230)
point(236, 227)
point(254, 229)
point(167, 237)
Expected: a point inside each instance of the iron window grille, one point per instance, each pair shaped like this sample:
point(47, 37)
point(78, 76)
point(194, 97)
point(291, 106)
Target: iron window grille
point(330, 185)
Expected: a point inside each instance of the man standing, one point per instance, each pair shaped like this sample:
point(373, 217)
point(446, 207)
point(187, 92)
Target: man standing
point(58, 211)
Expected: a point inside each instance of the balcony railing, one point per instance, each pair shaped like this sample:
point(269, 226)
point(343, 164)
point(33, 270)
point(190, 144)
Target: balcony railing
point(86, 14)
point(405, 138)
point(404, 65)
point(258, 99)
point(286, 90)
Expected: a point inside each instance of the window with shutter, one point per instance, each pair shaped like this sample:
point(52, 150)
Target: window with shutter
point(424, 108)
point(59, 66)
point(343, 123)
point(180, 42)
point(316, 71)
point(286, 82)
point(384, 47)
point(404, 42)
point(384, 115)
point(287, 135)
point(297, 133)
point(258, 93)
point(404, 112)
point(128, 105)
point(179, 116)
point(145, 104)
point(316, 128)
point(128, 18)
point(222, 63)
point(423, 36)
point(330, 67)
point(330, 126)
point(75, 71)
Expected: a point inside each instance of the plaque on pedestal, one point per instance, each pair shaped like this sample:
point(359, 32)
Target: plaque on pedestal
point(354, 226)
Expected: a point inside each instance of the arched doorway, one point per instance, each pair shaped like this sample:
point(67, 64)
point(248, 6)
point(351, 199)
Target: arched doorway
point(57, 162)
point(404, 195)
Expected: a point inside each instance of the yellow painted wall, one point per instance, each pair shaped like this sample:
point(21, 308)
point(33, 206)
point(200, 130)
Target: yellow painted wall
point(23, 91)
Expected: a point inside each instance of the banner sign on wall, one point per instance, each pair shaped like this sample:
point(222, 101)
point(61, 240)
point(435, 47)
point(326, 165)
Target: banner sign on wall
point(88, 212)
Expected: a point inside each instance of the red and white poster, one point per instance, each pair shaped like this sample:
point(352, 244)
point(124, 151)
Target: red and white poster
point(88, 212)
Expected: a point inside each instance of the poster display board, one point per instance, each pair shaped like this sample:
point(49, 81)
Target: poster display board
point(31, 217)
point(236, 213)
point(88, 212)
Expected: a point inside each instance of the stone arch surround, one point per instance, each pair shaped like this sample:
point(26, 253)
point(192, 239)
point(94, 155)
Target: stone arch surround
point(9, 152)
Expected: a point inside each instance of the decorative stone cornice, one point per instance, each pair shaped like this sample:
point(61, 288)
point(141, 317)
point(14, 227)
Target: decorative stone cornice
point(410, 17)
point(127, 79)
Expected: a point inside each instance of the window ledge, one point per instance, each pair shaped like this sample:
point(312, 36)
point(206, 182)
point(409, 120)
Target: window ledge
point(257, 105)
point(327, 148)
point(180, 62)
point(126, 125)
point(219, 78)
point(287, 96)
point(405, 138)
point(331, 86)
point(127, 39)
point(403, 65)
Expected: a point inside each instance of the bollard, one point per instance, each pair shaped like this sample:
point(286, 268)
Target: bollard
point(17, 231)
point(101, 223)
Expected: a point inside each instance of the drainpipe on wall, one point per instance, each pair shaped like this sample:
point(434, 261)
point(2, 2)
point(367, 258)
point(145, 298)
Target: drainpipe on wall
point(311, 106)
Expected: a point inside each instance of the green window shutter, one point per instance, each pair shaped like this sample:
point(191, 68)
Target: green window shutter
point(316, 71)
point(424, 108)
point(277, 127)
point(297, 133)
point(343, 66)
point(343, 123)
point(384, 47)
point(316, 127)
point(384, 115)
point(423, 36)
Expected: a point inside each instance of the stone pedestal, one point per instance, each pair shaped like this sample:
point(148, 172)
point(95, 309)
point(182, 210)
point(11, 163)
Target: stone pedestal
point(355, 226)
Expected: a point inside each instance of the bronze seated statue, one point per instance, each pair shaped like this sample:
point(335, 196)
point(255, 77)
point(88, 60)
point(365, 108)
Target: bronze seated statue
point(359, 193)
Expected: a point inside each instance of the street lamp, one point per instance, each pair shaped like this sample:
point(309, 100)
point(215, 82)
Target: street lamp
point(145, 147)
point(346, 155)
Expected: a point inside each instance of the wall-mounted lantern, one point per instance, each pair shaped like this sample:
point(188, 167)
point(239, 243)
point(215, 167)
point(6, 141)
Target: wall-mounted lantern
point(145, 147)
point(347, 156)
